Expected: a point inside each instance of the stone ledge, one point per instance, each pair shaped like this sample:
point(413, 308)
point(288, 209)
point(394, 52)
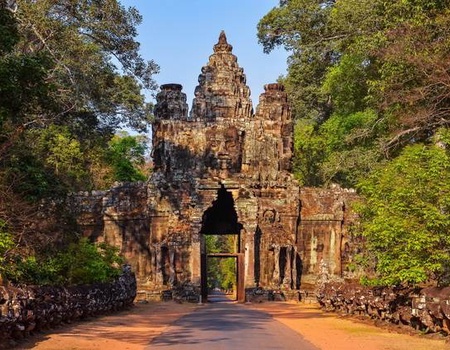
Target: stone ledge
point(30, 309)
point(427, 309)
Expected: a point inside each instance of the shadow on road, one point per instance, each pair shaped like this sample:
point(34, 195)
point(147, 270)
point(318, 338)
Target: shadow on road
point(216, 296)
point(229, 326)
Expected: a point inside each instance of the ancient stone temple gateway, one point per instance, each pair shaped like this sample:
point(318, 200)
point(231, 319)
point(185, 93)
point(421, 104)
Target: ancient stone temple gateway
point(222, 169)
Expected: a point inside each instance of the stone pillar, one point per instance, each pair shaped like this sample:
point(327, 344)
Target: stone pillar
point(172, 266)
point(159, 274)
point(249, 255)
point(276, 270)
point(288, 268)
point(196, 250)
point(294, 270)
point(247, 209)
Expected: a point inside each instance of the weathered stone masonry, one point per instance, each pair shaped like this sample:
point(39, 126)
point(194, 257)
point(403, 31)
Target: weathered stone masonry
point(222, 169)
point(30, 309)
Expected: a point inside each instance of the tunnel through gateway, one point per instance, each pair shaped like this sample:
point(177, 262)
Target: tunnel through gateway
point(221, 277)
point(221, 247)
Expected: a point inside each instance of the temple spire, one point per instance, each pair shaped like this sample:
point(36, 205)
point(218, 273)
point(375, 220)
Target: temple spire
point(222, 45)
point(222, 91)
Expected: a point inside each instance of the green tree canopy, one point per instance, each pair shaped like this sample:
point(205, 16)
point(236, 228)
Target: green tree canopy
point(405, 216)
point(383, 63)
point(368, 80)
point(96, 63)
point(71, 75)
point(126, 155)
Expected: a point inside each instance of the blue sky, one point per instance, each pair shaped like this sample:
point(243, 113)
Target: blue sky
point(179, 35)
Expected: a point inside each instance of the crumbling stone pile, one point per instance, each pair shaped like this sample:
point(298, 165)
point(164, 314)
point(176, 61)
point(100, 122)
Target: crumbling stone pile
point(426, 309)
point(259, 295)
point(186, 292)
point(34, 308)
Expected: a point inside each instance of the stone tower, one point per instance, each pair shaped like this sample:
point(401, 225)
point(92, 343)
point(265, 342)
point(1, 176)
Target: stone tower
point(222, 169)
point(222, 147)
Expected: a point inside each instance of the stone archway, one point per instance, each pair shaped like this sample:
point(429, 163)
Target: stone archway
point(221, 217)
point(221, 220)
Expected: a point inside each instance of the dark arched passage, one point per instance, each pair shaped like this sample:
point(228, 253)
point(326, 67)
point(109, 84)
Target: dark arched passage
point(221, 219)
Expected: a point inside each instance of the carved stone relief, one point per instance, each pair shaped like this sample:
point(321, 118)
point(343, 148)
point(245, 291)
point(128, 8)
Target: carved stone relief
point(221, 145)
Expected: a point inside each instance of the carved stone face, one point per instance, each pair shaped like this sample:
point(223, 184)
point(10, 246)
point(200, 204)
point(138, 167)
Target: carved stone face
point(171, 102)
point(224, 148)
point(269, 216)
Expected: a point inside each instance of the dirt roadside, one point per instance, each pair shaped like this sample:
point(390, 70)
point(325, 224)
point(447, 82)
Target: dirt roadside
point(329, 331)
point(131, 329)
point(135, 328)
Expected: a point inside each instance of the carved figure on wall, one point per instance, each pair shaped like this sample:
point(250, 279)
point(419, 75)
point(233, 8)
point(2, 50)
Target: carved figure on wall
point(172, 276)
point(159, 279)
point(171, 102)
point(225, 144)
point(288, 268)
point(276, 270)
point(269, 216)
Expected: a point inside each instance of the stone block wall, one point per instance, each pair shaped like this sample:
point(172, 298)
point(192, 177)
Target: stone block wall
point(120, 217)
point(30, 309)
point(427, 309)
point(324, 239)
point(291, 240)
point(222, 169)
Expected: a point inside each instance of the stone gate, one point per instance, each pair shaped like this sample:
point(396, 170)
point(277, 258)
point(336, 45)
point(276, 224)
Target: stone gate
point(222, 168)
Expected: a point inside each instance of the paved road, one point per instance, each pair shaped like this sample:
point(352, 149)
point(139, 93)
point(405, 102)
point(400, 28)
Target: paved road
point(226, 325)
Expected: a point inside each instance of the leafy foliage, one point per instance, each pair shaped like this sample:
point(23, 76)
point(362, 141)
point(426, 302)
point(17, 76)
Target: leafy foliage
point(6, 244)
point(87, 39)
point(126, 154)
point(221, 271)
point(300, 26)
point(81, 263)
point(352, 58)
point(369, 84)
point(88, 263)
point(339, 150)
point(405, 218)
point(71, 74)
